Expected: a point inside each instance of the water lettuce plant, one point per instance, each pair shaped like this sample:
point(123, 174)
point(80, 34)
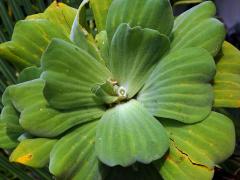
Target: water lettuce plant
point(132, 97)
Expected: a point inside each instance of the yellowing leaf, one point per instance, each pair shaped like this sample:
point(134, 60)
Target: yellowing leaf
point(33, 152)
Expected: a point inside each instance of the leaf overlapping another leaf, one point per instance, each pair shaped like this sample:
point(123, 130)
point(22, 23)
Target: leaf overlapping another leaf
point(227, 79)
point(159, 73)
point(41, 120)
point(195, 149)
point(32, 36)
point(179, 87)
point(127, 134)
point(197, 27)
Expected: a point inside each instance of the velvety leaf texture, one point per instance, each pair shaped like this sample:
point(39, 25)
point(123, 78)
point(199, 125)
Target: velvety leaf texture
point(119, 89)
point(179, 88)
point(74, 157)
point(41, 120)
point(196, 148)
point(227, 79)
point(66, 86)
point(33, 152)
point(32, 36)
point(128, 133)
point(153, 14)
point(197, 27)
point(131, 63)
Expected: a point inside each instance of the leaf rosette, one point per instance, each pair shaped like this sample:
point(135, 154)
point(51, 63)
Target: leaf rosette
point(137, 91)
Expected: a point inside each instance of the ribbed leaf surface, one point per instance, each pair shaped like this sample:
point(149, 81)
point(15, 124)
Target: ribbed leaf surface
point(207, 143)
point(131, 62)
point(81, 37)
point(28, 74)
point(58, 14)
point(183, 2)
point(100, 11)
point(10, 129)
point(197, 28)
point(73, 157)
point(227, 79)
point(128, 133)
point(70, 74)
point(29, 40)
point(31, 36)
point(41, 120)
point(179, 87)
point(8, 135)
point(153, 14)
point(33, 152)
point(177, 165)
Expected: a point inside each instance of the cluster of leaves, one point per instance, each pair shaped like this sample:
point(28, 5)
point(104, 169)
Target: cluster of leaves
point(10, 12)
point(119, 94)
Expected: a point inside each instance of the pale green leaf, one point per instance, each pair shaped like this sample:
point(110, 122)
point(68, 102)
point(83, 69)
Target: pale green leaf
point(73, 157)
point(58, 14)
point(133, 54)
point(28, 74)
point(10, 129)
point(179, 88)
point(227, 79)
point(33, 152)
point(100, 11)
point(203, 145)
point(32, 36)
point(127, 134)
point(70, 74)
point(183, 2)
point(177, 165)
point(40, 119)
point(106, 92)
point(82, 38)
point(103, 46)
point(153, 14)
point(197, 27)
point(29, 40)
point(8, 135)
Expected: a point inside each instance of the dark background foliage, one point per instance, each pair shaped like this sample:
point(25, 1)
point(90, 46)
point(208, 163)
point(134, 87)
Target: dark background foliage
point(13, 10)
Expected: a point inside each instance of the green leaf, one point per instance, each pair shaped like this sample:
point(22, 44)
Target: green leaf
point(28, 74)
point(177, 165)
point(203, 145)
point(8, 135)
point(32, 36)
point(131, 63)
point(73, 157)
point(182, 2)
point(227, 79)
point(107, 92)
point(70, 74)
point(33, 152)
point(10, 129)
point(197, 28)
point(58, 14)
point(9, 113)
point(103, 46)
point(100, 11)
point(82, 38)
point(153, 14)
point(179, 88)
point(127, 134)
point(29, 40)
point(40, 119)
